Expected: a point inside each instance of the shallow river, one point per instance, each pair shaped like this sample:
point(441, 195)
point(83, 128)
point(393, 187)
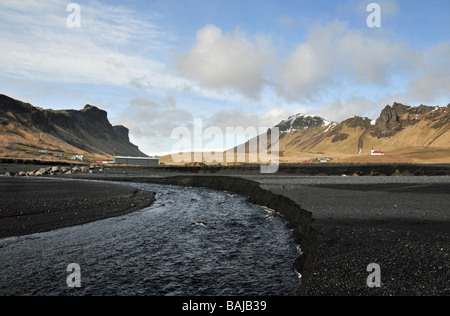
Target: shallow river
point(235, 248)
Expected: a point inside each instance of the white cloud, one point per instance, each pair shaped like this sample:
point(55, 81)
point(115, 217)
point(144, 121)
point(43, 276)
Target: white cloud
point(310, 66)
point(151, 122)
point(38, 45)
point(242, 118)
point(221, 60)
point(147, 117)
point(115, 46)
point(340, 110)
point(374, 60)
point(334, 53)
point(433, 82)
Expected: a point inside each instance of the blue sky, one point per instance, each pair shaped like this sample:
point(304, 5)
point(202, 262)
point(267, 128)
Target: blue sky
point(158, 65)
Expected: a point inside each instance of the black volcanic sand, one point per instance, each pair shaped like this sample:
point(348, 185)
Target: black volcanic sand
point(34, 205)
point(400, 223)
point(403, 225)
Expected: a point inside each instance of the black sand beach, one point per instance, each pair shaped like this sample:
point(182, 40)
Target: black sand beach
point(400, 223)
point(34, 205)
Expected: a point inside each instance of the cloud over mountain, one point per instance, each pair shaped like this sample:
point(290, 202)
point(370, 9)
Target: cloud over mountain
point(221, 60)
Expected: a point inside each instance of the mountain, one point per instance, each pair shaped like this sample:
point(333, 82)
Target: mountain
point(301, 121)
point(25, 130)
point(405, 133)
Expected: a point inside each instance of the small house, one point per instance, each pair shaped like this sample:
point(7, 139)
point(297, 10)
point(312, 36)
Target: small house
point(78, 158)
point(376, 152)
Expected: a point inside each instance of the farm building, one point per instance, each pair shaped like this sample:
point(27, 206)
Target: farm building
point(78, 158)
point(376, 153)
point(322, 160)
point(141, 161)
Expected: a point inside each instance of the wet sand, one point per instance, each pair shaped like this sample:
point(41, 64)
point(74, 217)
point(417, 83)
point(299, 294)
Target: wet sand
point(35, 205)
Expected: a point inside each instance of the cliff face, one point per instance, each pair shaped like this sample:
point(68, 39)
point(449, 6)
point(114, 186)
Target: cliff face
point(394, 119)
point(87, 131)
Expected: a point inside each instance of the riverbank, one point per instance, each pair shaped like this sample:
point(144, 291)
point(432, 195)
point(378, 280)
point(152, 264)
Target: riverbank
point(316, 169)
point(35, 205)
point(343, 224)
point(401, 224)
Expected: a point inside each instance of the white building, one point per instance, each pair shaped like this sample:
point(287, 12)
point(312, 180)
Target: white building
point(140, 161)
point(376, 153)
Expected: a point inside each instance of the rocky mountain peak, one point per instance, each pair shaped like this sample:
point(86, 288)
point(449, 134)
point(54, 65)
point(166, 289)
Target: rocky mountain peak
point(301, 121)
point(358, 121)
point(94, 112)
point(87, 130)
point(394, 119)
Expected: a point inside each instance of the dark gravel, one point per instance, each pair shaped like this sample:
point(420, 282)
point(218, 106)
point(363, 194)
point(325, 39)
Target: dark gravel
point(34, 205)
point(402, 224)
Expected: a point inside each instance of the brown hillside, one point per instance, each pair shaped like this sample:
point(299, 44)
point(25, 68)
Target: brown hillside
point(25, 130)
point(405, 133)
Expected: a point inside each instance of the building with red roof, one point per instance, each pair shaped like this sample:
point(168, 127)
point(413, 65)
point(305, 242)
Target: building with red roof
point(376, 152)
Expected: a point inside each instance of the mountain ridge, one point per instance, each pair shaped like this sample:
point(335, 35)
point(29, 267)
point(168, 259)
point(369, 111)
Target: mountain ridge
point(405, 133)
point(84, 132)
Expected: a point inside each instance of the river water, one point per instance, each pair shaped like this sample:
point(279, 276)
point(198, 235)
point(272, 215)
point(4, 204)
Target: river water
point(235, 248)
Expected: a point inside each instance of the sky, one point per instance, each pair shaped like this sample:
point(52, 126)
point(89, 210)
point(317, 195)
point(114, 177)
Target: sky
point(155, 66)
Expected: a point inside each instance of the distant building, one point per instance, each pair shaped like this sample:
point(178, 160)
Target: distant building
point(58, 155)
point(44, 152)
point(318, 160)
point(376, 153)
point(141, 161)
point(322, 160)
point(78, 158)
